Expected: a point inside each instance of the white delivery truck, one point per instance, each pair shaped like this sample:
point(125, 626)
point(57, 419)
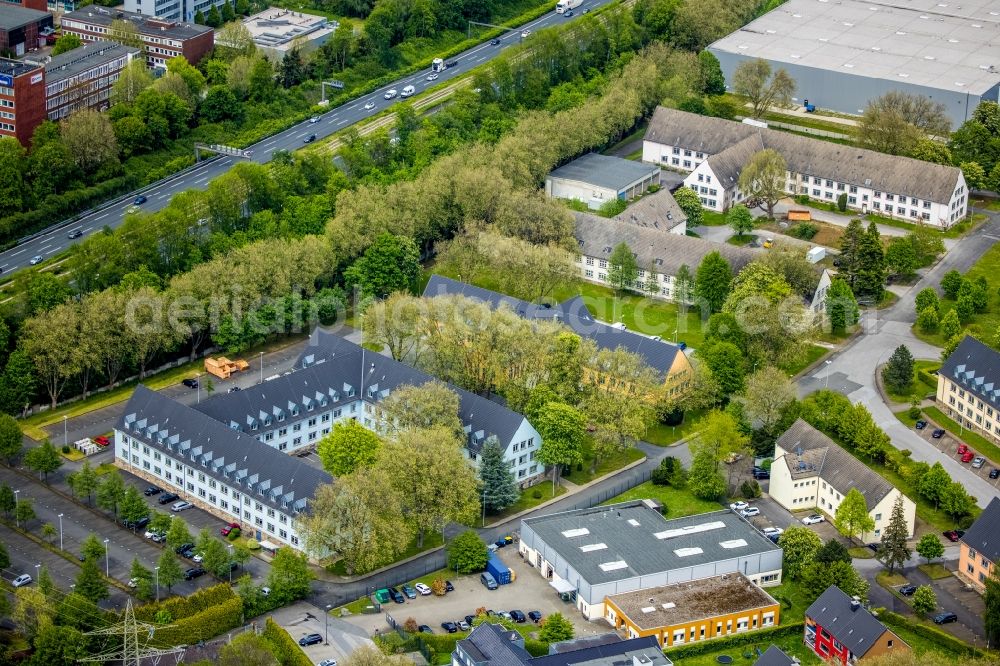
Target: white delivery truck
point(439, 64)
point(563, 5)
point(407, 92)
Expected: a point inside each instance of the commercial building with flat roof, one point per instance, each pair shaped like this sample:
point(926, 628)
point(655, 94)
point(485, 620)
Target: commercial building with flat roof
point(162, 39)
point(276, 31)
point(596, 179)
point(589, 555)
point(693, 611)
point(22, 99)
point(844, 54)
point(22, 29)
point(83, 78)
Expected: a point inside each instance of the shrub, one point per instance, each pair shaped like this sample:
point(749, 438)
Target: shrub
point(65, 448)
point(438, 587)
point(653, 189)
point(536, 493)
point(536, 648)
point(750, 489)
point(802, 199)
point(804, 230)
point(204, 625)
point(411, 625)
point(181, 607)
point(612, 207)
point(763, 636)
point(842, 202)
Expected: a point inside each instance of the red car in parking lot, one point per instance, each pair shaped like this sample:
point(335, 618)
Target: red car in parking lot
point(962, 449)
point(226, 529)
point(102, 441)
point(968, 455)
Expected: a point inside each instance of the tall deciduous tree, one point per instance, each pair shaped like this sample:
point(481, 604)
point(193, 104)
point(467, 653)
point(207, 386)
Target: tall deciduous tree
point(740, 220)
point(930, 547)
point(467, 553)
point(84, 482)
point(689, 202)
point(499, 487)
point(90, 584)
point(11, 438)
point(704, 478)
point(713, 281)
point(851, 517)
point(290, 577)
point(133, 506)
point(348, 446)
point(622, 268)
point(768, 393)
point(956, 501)
point(555, 628)
point(753, 80)
point(896, 122)
point(713, 82)
point(392, 263)
point(893, 551)
point(563, 433)
point(991, 599)
point(91, 139)
point(425, 406)
point(817, 577)
point(763, 179)
point(43, 459)
point(66, 42)
point(396, 323)
point(924, 600)
point(684, 285)
point(168, 569)
point(111, 492)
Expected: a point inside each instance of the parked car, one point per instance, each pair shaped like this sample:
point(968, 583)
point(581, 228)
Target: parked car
point(962, 448)
point(227, 529)
point(968, 456)
point(448, 587)
point(389, 94)
point(139, 200)
point(873, 547)
point(35, 260)
point(327, 662)
point(310, 639)
point(813, 519)
point(190, 382)
point(193, 572)
point(75, 233)
point(768, 531)
point(487, 579)
point(424, 629)
point(234, 389)
point(180, 506)
point(188, 553)
point(137, 525)
point(397, 596)
point(739, 506)
point(518, 616)
point(409, 592)
point(158, 537)
point(535, 616)
point(152, 490)
point(750, 512)
point(184, 546)
point(994, 473)
point(760, 474)
point(450, 627)
point(953, 535)
point(167, 498)
point(423, 589)
point(369, 106)
point(921, 424)
point(945, 618)
point(978, 462)
point(938, 433)
point(504, 541)
point(908, 590)
point(198, 558)
point(22, 580)
point(774, 537)
point(102, 440)
point(504, 614)
point(463, 625)
point(469, 619)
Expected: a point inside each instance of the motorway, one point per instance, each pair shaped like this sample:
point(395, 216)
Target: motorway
point(334, 120)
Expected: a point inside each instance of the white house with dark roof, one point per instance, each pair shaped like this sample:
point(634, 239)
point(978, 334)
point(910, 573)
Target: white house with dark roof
point(810, 471)
point(968, 387)
point(588, 555)
point(596, 179)
point(715, 150)
point(229, 454)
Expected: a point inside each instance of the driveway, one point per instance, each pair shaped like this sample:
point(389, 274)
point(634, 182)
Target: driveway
point(341, 638)
point(851, 371)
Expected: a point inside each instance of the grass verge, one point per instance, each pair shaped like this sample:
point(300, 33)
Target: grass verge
point(812, 354)
point(918, 388)
point(861, 553)
point(886, 579)
point(679, 502)
point(527, 500)
point(934, 571)
point(665, 435)
point(711, 218)
point(605, 466)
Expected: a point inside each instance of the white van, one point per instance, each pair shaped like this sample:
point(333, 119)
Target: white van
point(407, 92)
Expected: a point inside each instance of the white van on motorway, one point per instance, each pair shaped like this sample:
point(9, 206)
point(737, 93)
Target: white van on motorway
point(407, 92)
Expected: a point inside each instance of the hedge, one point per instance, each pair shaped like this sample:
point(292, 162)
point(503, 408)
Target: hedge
point(748, 638)
point(286, 650)
point(209, 623)
point(535, 647)
point(181, 607)
point(947, 642)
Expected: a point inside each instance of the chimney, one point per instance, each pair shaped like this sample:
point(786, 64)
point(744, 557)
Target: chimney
point(855, 603)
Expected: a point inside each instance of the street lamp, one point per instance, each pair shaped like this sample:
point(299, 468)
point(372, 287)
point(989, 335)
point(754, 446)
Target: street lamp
point(65, 436)
point(17, 523)
point(107, 559)
point(38, 571)
point(156, 570)
point(60, 533)
point(326, 625)
point(261, 367)
point(828, 362)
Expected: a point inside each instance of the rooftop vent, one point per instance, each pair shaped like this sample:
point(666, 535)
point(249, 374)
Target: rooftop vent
point(649, 609)
point(669, 605)
point(580, 531)
point(613, 566)
point(591, 547)
point(687, 552)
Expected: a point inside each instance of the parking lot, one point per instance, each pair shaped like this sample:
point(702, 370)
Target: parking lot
point(303, 618)
point(528, 592)
point(949, 444)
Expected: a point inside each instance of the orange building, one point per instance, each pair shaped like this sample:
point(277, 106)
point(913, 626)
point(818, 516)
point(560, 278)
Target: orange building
point(979, 549)
point(693, 611)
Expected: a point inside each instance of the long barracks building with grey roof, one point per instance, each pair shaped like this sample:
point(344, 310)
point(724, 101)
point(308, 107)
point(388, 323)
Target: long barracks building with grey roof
point(968, 387)
point(230, 454)
point(590, 554)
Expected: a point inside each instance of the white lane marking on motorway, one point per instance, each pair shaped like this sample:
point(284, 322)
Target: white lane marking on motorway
point(268, 144)
point(164, 195)
point(101, 217)
point(3, 267)
point(14, 254)
point(201, 180)
point(43, 247)
point(50, 251)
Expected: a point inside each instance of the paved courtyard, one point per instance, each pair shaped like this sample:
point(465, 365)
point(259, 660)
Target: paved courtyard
point(303, 618)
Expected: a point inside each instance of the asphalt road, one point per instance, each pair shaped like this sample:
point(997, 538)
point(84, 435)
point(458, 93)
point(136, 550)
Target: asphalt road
point(334, 120)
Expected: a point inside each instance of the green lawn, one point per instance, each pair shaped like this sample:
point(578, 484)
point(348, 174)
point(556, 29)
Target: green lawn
point(665, 435)
point(741, 240)
point(812, 354)
point(711, 218)
point(679, 503)
point(918, 388)
point(934, 571)
point(789, 590)
point(605, 466)
point(861, 553)
point(978, 442)
point(527, 501)
point(793, 647)
point(956, 231)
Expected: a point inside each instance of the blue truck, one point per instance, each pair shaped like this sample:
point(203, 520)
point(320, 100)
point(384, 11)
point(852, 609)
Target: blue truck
point(498, 569)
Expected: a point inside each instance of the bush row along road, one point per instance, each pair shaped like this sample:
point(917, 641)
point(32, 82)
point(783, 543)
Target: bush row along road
point(334, 120)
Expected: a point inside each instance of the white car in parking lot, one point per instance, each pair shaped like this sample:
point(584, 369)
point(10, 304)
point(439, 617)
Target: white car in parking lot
point(750, 512)
point(180, 506)
point(776, 531)
point(813, 519)
point(739, 506)
point(422, 589)
point(22, 580)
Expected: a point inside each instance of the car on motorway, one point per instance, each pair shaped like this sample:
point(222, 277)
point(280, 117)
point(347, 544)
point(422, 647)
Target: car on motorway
point(314, 119)
point(139, 200)
point(945, 618)
point(953, 535)
point(739, 506)
point(422, 589)
point(193, 572)
point(409, 592)
point(450, 627)
point(938, 433)
point(908, 590)
point(180, 506)
point(494, 42)
point(518, 616)
point(190, 382)
point(132, 209)
point(22, 580)
point(227, 529)
point(433, 76)
point(994, 473)
point(535, 616)
point(369, 106)
point(813, 519)
point(75, 233)
point(167, 498)
point(327, 662)
point(568, 13)
point(525, 33)
point(309, 139)
point(37, 259)
point(310, 639)
point(978, 462)
point(152, 490)
point(968, 456)
point(750, 512)
point(390, 94)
